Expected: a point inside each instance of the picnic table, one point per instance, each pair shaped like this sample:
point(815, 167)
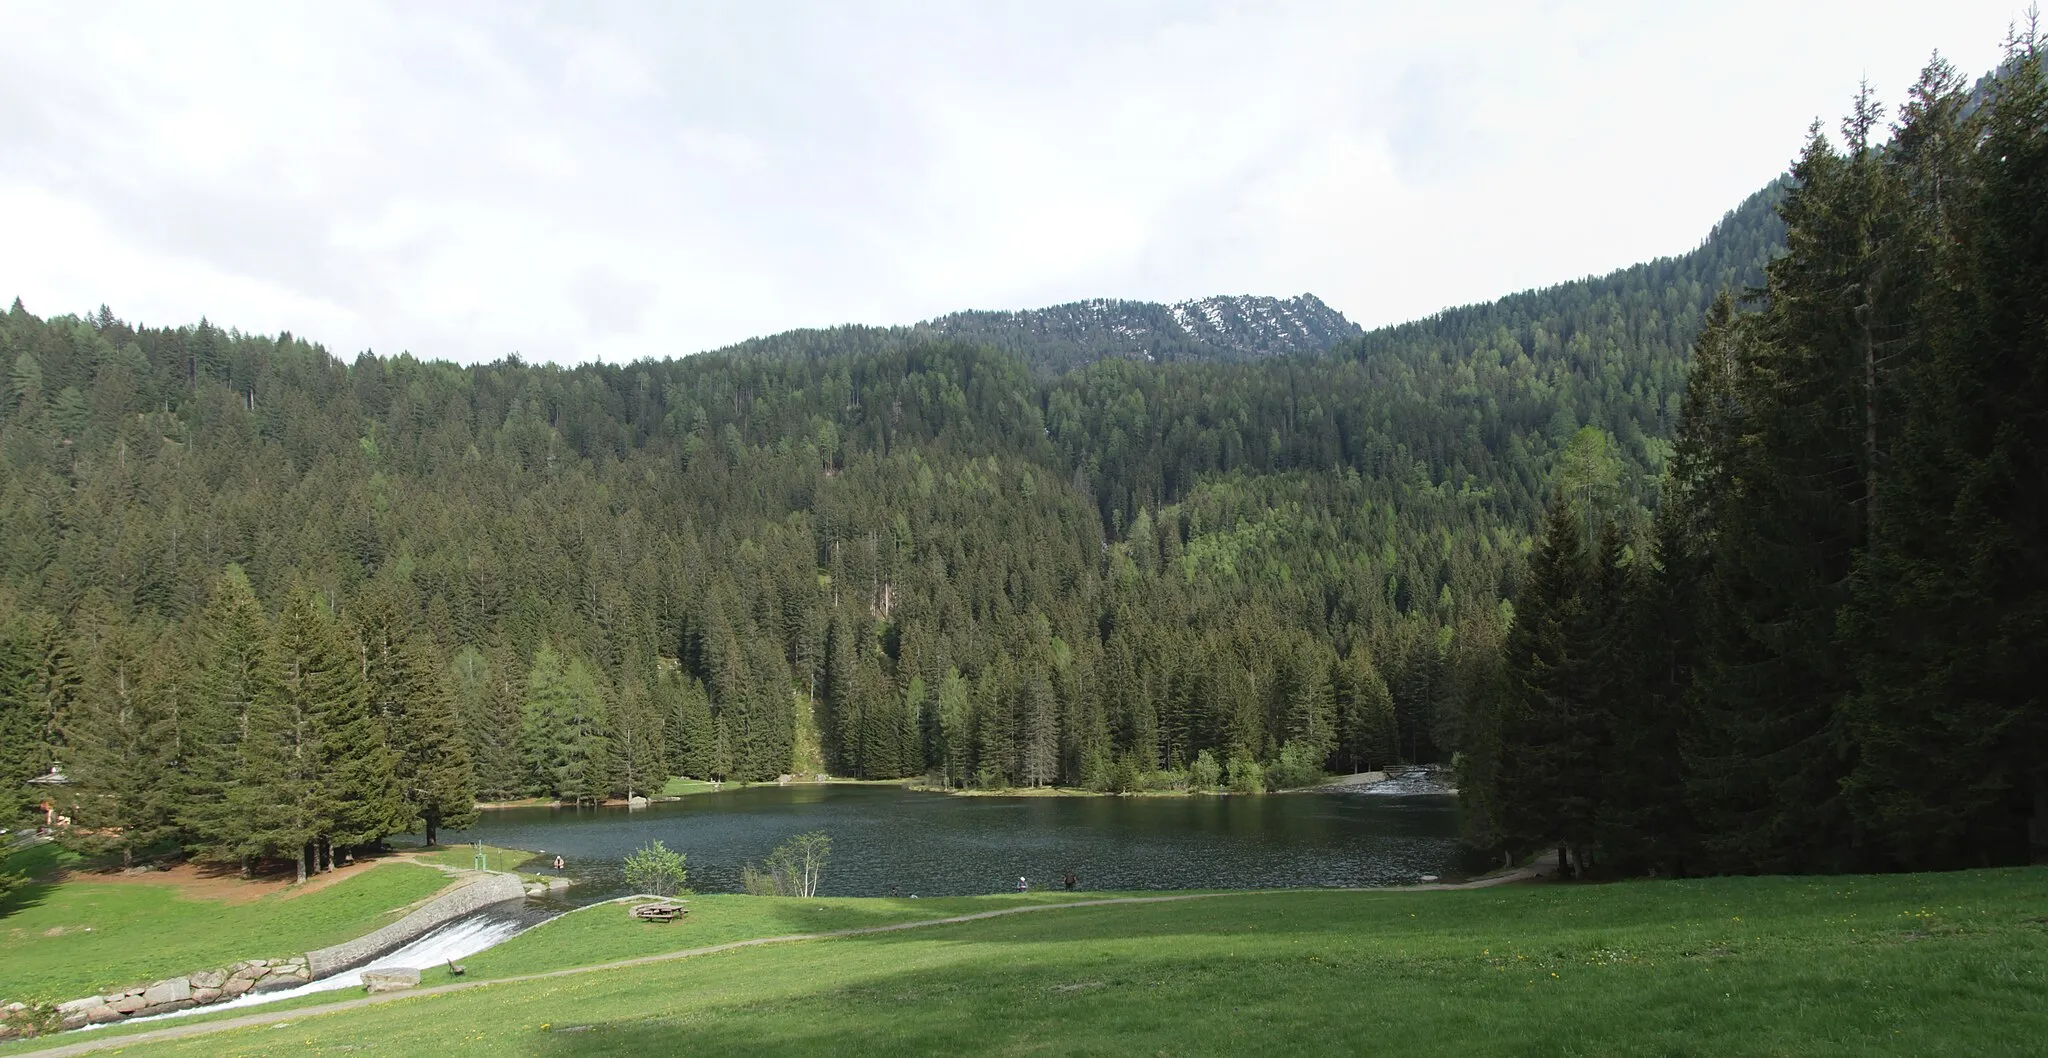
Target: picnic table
point(665, 911)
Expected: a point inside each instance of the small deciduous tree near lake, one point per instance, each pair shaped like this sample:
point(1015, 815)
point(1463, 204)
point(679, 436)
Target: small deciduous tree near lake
point(794, 868)
point(657, 869)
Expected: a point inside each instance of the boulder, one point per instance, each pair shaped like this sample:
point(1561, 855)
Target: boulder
point(103, 1015)
point(209, 979)
point(375, 981)
point(207, 995)
point(237, 985)
point(128, 1004)
point(276, 983)
point(168, 991)
point(166, 1008)
point(80, 1006)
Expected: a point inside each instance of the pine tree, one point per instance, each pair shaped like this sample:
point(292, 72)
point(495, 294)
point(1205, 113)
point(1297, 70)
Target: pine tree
point(692, 735)
point(1950, 609)
point(233, 668)
point(27, 737)
point(636, 768)
point(415, 712)
point(1547, 787)
point(1766, 747)
point(1364, 714)
point(118, 740)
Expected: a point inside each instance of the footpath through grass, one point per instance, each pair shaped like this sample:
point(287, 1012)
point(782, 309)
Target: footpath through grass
point(1914, 964)
point(64, 940)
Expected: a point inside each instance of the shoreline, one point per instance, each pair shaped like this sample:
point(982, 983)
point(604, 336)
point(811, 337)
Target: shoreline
point(1330, 784)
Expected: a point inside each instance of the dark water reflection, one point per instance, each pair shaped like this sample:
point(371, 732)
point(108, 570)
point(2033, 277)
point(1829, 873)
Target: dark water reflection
point(888, 839)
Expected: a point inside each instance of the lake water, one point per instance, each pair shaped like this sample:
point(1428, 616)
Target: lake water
point(887, 839)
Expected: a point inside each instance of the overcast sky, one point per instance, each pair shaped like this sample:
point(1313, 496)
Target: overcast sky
point(611, 181)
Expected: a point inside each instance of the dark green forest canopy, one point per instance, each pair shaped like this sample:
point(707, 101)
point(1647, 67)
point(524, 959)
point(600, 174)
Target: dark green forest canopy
point(871, 552)
point(1834, 659)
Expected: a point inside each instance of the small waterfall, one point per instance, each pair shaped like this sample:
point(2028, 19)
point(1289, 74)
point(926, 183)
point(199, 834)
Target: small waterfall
point(453, 940)
point(1408, 782)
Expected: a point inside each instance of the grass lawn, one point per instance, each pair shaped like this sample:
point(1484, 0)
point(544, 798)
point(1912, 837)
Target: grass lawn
point(679, 787)
point(463, 857)
point(69, 939)
point(1912, 964)
point(606, 933)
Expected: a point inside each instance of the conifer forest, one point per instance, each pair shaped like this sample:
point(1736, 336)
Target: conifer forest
point(1729, 562)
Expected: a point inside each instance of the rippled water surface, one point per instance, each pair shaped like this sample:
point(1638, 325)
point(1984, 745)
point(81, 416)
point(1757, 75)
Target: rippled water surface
point(886, 839)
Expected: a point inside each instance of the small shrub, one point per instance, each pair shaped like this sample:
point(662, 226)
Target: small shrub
point(1245, 775)
point(655, 868)
point(1170, 779)
point(1205, 773)
point(1299, 765)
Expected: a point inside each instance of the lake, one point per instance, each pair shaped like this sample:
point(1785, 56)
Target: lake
point(888, 839)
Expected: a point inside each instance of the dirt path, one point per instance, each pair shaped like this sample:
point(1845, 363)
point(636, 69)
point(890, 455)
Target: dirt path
point(273, 1017)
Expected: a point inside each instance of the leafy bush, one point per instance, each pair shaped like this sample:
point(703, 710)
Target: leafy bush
point(1205, 773)
point(655, 868)
point(1245, 775)
point(1168, 779)
point(1299, 765)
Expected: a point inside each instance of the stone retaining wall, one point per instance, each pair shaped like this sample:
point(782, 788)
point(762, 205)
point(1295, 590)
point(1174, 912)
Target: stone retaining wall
point(490, 889)
point(256, 975)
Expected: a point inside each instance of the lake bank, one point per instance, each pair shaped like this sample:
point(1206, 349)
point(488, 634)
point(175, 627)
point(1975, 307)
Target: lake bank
point(678, 788)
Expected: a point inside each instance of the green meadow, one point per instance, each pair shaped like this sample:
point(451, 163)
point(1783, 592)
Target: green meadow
point(1905, 964)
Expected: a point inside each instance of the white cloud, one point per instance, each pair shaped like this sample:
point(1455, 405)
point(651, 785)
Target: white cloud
point(616, 181)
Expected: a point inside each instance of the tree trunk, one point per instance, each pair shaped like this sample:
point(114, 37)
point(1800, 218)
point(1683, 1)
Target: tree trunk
point(300, 862)
point(433, 824)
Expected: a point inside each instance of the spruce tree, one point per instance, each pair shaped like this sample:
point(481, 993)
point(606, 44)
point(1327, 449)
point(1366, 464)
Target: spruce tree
point(1548, 783)
point(415, 713)
point(1950, 609)
point(118, 740)
point(233, 669)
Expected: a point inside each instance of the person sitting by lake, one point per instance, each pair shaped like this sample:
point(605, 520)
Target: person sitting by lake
point(1071, 881)
point(1022, 885)
point(558, 865)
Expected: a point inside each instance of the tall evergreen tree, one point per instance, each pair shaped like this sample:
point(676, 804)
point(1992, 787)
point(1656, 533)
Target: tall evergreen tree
point(415, 712)
point(118, 740)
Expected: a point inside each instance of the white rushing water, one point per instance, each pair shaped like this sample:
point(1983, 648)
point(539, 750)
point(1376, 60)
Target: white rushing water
point(449, 941)
point(1407, 782)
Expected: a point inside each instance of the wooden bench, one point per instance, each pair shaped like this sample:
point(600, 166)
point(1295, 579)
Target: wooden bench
point(664, 912)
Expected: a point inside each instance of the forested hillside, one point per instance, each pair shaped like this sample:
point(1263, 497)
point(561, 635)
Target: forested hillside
point(264, 601)
point(1215, 329)
point(1833, 657)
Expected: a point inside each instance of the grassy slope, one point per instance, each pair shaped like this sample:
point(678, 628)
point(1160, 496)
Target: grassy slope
point(1950, 964)
point(606, 933)
point(140, 931)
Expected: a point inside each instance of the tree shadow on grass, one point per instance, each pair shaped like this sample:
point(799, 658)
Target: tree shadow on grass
point(28, 895)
